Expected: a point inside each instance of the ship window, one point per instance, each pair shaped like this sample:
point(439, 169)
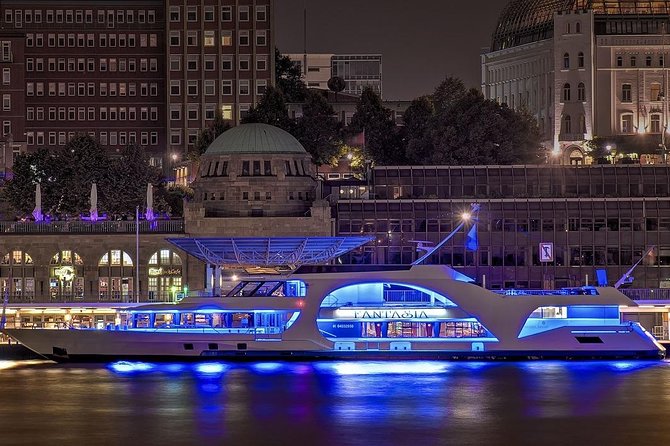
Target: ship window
point(213, 346)
point(589, 339)
point(188, 346)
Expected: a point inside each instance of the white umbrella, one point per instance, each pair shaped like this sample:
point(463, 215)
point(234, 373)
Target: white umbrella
point(150, 202)
point(37, 212)
point(94, 202)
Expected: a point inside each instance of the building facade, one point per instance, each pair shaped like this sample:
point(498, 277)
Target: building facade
point(357, 70)
point(585, 69)
point(602, 217)
point(152, 71)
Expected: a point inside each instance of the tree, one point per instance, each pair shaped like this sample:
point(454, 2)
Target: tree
point(288, 78)
point(318, 130)
point(208, 135)
point(465, 128)
point(79, 164)
point(448, 93)
point(271, 109)
point(417, 119)
point(472, 130)
point(29, 169)
point(374, 121)
point(125, 185)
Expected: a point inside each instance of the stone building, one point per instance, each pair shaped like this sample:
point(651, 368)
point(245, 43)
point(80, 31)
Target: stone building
point(256, 179)
point(585, 69)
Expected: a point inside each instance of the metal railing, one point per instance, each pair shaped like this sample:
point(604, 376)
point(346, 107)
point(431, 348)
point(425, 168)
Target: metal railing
point(88, 227)
point(647, 294)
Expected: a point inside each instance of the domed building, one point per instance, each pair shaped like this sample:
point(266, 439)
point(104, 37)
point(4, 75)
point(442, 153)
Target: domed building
point(585, 69)
point(253, 179)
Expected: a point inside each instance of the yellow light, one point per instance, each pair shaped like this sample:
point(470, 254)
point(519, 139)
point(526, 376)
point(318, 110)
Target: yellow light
point(465, 216)
point(234, 278)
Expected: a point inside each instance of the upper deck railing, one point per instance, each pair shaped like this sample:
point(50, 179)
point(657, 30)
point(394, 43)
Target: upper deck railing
point(89, 227)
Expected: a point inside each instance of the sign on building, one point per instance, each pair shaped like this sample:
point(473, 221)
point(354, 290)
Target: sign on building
point(546, 252)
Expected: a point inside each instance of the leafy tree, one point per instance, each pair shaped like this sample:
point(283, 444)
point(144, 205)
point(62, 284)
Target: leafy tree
point(125, 184)
point(288, 78)
point(318, 130)
point(417, 119)
point(271, 109)
point(382, 141)
point(448, 93)
point(474, 131)
point(597, 147)
point(79, 164)
point(30, 169)
point(467, 129)
point(208, 135)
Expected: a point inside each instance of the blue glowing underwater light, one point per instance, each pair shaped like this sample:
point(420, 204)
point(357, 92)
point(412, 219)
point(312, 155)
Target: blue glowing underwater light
point(127, 367)
point(267, 367)
point(210, 369)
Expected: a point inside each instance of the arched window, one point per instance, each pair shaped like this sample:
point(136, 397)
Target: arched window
point(66, 276)
point(566, 61)
point(619, 61)
point(567, 124)
point(580, 60)
point(568, 28)
point(566, 93)
point(578, 27)
point(115, 276)
point(582, 124)
point(165, 275)
point(647, 61)
point(661, 61)
point(633, 61)
point(581, 92)
point(21, 288)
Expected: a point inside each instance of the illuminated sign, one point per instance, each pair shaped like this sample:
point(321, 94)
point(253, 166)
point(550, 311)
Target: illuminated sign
point(394, 313)
point(64, 273)
point(546, 252)
point(164, 271)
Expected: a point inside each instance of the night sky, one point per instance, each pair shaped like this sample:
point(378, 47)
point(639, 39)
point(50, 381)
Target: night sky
point(421, 41)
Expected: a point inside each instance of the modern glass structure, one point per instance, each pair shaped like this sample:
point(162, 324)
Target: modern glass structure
point(596, 218)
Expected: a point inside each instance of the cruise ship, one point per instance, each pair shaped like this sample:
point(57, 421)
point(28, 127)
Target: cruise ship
point(361, 311)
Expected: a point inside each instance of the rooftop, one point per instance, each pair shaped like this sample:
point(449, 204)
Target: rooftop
point(255, 139)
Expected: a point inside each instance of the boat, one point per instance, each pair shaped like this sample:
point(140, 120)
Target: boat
point(361, 312)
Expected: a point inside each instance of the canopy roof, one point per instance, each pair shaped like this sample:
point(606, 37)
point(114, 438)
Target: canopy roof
point(268, 252)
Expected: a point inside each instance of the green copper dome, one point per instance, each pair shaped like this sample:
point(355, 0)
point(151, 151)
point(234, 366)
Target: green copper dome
point(255, 138)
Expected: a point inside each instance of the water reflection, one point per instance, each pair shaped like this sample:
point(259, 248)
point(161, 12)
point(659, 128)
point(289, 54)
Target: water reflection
point(335, 403)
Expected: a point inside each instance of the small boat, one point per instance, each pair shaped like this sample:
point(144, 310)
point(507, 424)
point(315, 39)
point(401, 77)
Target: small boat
point(362, 312)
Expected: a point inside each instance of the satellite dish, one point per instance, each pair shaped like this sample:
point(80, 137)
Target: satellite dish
point(336, 84)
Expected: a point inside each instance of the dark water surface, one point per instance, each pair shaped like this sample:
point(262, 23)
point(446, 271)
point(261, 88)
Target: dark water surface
point(336, 403)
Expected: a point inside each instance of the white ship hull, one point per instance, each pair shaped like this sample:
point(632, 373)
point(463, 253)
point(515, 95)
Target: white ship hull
point(507, 328)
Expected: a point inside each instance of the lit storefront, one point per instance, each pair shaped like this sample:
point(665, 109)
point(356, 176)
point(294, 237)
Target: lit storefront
point(17, 276)
point(165, 275)
point(115, 276)
point(66, 276)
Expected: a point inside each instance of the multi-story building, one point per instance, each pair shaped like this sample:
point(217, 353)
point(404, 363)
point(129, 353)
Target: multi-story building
point(596, 217)
point(151, 71)
point(585, 69)
point(357, 70)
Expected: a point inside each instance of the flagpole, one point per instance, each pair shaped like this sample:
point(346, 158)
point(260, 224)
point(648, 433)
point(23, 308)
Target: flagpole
point(137, 254)
point(464, 219)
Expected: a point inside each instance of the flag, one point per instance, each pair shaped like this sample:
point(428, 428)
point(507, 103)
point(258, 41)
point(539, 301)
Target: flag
point(357, 140)
point(471, 242)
